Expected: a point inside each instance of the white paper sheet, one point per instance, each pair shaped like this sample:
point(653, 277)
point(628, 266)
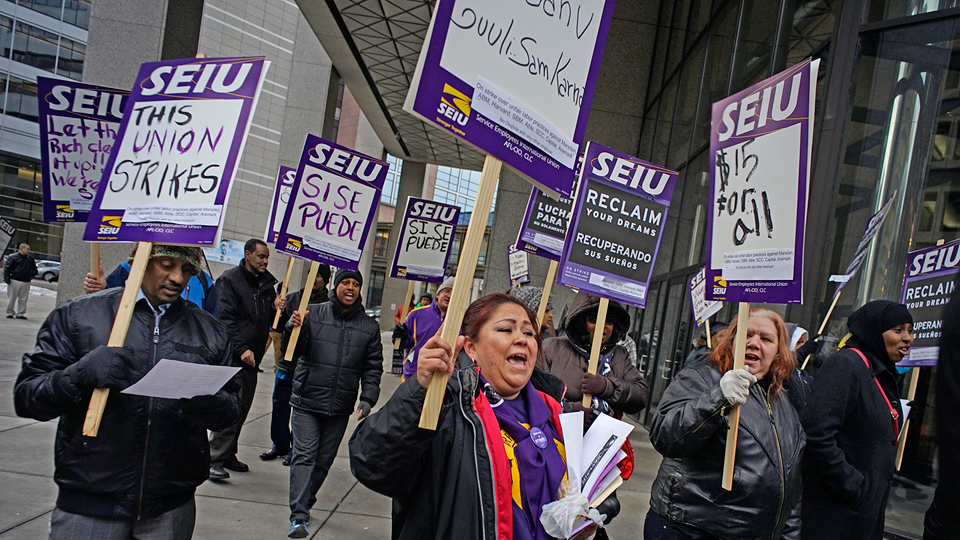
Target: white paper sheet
point(173, 379)
point(601, 444)
point(572, 425)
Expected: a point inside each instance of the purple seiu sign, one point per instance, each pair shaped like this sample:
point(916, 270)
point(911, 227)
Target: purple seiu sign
point(617, 224)
point(281, 198)
point(702, 308)
point(333, 202)
point(425, 240)
point(78, 128)
point(544, 226)
point(169, 176)
point(519, 263)
point(7, 232)
point(759, 176)
point(927, 287)
point(515, 79)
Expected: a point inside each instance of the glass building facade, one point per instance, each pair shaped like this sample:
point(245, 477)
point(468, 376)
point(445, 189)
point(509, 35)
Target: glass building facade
point(886, 125)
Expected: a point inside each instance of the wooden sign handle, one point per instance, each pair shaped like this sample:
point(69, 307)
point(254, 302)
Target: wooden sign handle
point(911, 395)
point(709, 340)
point(595, 347)
point(283, 291)
point(739, 352)
point(547, 288)
point(405, 311)
point(462, 284)
point(304, 302)
point(823, 326)
point(95, 259)
point(91, 423)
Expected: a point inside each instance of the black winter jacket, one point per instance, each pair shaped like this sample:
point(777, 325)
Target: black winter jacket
point(339, 353)
point(442, 482)
point(149, 455)
point(849, 462)
point(293, 303)
point(246, 307)
point(690, 431)
point(19, 267)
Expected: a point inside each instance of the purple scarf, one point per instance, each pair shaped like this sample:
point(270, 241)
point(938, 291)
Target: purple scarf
point(536, 458)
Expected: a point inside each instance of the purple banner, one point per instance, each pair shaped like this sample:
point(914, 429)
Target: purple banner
point(618, 218)
point(169, 176)
point(927, 287)
point(281, 198)
point(425, 240)
point(333, 202)
point(759, 176)
point(515, 79)
point(78, 128)
point(544, 226)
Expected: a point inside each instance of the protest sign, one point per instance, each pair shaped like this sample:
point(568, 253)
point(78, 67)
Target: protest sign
point(425, 240)
point(78, 128)
point(333, 202)
point(7, 231)
point(703, 309)
point(169, 175)
point(927, 287)
point(544, 226)
point(227, 251)
point(873, 226)
point(618, 217)
point(281, 197)
point(519, 265)
point(515, 79)
point(759, 179)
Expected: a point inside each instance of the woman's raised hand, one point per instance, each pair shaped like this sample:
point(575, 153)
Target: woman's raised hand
point(436, 356)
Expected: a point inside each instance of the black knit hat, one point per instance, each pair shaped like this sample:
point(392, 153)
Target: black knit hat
point(325, 272)
point(345, 273)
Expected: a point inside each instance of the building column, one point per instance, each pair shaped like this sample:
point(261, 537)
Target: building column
point(122, 36)
point(411, 185)
point(368, 143)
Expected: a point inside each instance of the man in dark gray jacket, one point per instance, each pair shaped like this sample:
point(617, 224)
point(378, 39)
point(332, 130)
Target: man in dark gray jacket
point(18, 270)
point(137, 477)
point(340, 355)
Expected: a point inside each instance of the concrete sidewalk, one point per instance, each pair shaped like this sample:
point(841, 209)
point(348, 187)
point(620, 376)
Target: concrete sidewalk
point(249, 505)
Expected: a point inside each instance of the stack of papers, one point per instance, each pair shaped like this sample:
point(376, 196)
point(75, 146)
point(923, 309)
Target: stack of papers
point(592, 457)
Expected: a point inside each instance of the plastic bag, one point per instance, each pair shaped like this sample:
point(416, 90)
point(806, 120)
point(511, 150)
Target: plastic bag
point(566, 517)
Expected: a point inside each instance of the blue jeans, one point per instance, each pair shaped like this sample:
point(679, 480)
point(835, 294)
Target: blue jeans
point(657, 527)
point(280, 417)
point(316, 438)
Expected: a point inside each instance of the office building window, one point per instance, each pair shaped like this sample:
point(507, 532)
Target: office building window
point(21, 99)
point(380, 244)
point(35, 47)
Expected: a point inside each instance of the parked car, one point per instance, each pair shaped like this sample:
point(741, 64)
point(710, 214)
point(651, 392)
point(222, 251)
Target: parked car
point(374, 312)
point(49, 271)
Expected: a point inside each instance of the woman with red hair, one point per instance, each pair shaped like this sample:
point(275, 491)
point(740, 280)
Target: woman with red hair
point(690, 431)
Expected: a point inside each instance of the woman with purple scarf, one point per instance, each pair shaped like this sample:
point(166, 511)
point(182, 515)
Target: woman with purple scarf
point(496, 457)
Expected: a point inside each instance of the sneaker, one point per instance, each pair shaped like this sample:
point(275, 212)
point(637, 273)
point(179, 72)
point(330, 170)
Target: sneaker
point(235, 464)
point(217, 473)
point(21, 317)
point(298, 529)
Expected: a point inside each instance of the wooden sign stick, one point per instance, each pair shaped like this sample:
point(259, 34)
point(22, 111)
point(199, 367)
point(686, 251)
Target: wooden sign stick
point(283, 291)
point(595, 347)
point(462, 284)
point(739, 352)
point(405, 311)
point(911, 395)
point(91, 423)
point(709, 341)
point(304, 302)
point(823, 326)
point(547, 288)
point(95, 259)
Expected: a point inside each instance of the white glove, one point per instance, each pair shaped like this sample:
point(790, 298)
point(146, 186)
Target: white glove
point(735, 385)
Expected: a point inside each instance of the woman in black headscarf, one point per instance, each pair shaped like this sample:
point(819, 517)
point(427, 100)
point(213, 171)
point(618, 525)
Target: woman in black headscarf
point(852, 421)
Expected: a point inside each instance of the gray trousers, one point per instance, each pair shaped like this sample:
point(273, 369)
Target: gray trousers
point(223, 444)
point(316, 438)
point(17, 292)
point(177, 524)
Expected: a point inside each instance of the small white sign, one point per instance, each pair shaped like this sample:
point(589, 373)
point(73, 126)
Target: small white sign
point(79, 203)
point(331, 247)
point(840, 278)
point(634, 290)
point(200, 214)
point(759, 264)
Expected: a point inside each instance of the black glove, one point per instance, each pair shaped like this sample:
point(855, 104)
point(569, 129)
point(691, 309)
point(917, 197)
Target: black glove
point(400, 332)
point(364, 409)
point(595, 385)
point(104, 367)
point(812, 346)
point(203, 409)
point(589, 414)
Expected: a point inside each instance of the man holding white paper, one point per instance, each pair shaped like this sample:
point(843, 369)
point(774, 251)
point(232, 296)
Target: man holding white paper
point(138, 475)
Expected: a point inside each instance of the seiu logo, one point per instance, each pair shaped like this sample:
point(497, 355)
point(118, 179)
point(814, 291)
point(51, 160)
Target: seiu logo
point(454, 105)
point(293, 245)
point(64, 211)
point(110, 225)
point(719, 285)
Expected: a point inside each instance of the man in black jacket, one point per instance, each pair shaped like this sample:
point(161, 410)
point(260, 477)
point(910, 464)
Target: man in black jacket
point(283, 382)
point(247, 303)
point(137, 477)
point(18, 270)
point(339, 355)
